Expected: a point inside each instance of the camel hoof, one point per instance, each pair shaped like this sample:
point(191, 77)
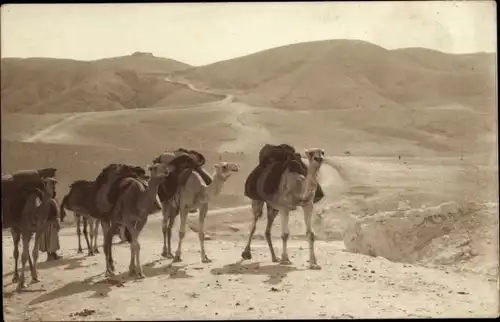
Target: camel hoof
point(206, 260)
point(90, 254)
point(177, 259)
point(314, 266)
point(109, 273)
point(166, 254)
point(285, 261)
point(21, 286)
point(140, 275)
point(276, 260)
point(96, 251)
point(35, 280)
point(79, 251)
point(15, 279)
point(246, 255)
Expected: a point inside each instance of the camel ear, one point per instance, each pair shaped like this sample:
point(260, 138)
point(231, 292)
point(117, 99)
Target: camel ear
point(149, 167)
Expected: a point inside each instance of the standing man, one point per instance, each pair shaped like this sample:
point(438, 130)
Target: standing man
point(49, 241)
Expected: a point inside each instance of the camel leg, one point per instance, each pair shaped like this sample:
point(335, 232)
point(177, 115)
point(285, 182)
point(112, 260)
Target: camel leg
point(171, 223)
point(93, 245)
point(96, 235)
point(284, 237)
point(107, 229)
point(135, 249)
point(167, 253)
point(182, 233)
point(308, 212)
point(16, 237)
point(86, 235)
point(257, 208)
point(35, 253)
point(271, 215)
point(201, 233)
point(131, 267)
point(79, 234)
point(26, 237)
point(137, 245)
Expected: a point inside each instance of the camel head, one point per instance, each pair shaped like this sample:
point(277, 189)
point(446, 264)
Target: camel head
point(315, 156)
point(225, 169)
point(159, 170)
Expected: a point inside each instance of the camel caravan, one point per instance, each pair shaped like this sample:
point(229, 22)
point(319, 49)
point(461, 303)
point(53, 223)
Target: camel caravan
point(122, 197)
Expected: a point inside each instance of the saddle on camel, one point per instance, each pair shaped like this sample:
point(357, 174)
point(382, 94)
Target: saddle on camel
point(97, 198)
point(184, 162)
point(264, 180)
point(17, 187)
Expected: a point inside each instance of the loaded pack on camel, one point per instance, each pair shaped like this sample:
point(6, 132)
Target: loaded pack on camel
point(264, 180)
point(16, 187)
point(184, 162)
point(97, 198)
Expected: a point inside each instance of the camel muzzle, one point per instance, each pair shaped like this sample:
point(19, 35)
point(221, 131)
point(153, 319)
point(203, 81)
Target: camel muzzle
point(319, 159)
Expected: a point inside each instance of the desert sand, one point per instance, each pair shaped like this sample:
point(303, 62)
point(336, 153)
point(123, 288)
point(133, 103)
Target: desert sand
point(380, 161)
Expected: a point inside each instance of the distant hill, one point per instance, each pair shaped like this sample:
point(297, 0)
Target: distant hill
point(338, 74)
point(142, 62)
point(46, 85)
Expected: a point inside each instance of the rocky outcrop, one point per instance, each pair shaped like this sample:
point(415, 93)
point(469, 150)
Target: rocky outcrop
point(400, 235)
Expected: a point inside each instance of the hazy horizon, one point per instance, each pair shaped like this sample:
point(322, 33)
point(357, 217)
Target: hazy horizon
point(204, 33)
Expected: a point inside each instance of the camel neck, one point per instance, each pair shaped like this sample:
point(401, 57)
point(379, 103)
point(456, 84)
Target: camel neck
point(310, 183)
point(149, 197)
point(216, 186)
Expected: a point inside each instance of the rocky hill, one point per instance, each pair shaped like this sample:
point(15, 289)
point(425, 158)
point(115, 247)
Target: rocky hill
point(46, 85)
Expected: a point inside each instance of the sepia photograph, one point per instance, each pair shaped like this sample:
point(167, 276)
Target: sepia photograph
point(249, 160)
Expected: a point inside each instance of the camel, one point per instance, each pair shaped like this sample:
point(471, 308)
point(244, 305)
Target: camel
point(88, 200)
point(134, 204)
point(294, 190)
point(193, 195)
point(34, 215)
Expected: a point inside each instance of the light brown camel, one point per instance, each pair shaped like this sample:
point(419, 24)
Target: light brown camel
point(34, 217)
point(134, 204)
point(294, 190)
point(193, 195)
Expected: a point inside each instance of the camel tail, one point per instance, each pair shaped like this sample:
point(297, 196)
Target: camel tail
point(62, 211)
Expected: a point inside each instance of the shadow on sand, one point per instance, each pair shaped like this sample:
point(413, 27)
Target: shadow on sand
point(275, 272)
point(102, 287)
point(72, 262)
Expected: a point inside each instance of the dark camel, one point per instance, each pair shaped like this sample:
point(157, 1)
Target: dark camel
point(135, 202)
point(34, 215)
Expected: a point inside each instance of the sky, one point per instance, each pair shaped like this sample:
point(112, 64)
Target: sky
point(203, 33)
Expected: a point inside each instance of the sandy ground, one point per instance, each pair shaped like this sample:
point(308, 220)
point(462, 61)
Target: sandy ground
point(349, 285)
